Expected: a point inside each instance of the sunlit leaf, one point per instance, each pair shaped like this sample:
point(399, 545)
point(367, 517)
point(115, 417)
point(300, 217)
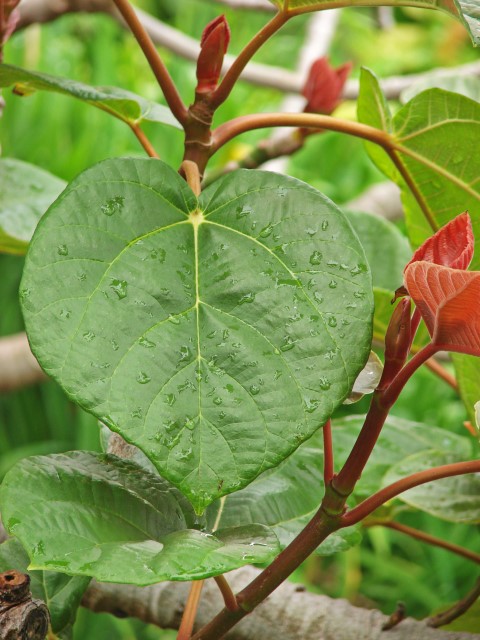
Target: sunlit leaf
point(449, 301)
point(122, 104)
point(96, 515)
point(215, 335)
point(26, 192)
point(456, 499)
point(61, 593)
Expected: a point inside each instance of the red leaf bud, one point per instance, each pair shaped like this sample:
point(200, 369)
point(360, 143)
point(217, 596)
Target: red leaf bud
point(397, 341)
point(213, 46)
point(324, 87)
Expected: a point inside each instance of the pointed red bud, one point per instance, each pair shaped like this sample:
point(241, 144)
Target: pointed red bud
point(213, 47)
point(9, 19)
point(397, 341)
point(324, 87)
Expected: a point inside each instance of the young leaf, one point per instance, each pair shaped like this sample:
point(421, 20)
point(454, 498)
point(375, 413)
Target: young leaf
point(452, 245)
point(381, 318)
point(120, 103)
point(448, 300)
point(213, 47)
point(61, 593)
point(465, 11)
point(216, 335)
point(435, 136)
point(97, 515)
point(455, 499)
point(467, 373)
point(324, 86)
point(26, 192)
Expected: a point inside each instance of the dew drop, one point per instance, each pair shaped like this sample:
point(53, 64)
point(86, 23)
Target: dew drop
point(82, 276)
point(218, 401)
point(229, 388)
point(332, 284)
point(247, 298)
point(113, 205)
point(244, 211)
point(266, 231)
point(89, 336)
point(137, 413)
point(143, 378)
point(282, 192)
point(174, 319)
point(324, 225)
point(310, 232)
point(148, 344)
point(317, 297)
point(316, 257)
point(170, 399)
point(288, 344)
point(64, 313)
point(277, 374)
point(332, 321)
point(359, 295)
point(184, 353)
point(324, 383)
point(311, 405)
point(119, 287)
point(114, 344)
point(62, 250)
point(254, 390)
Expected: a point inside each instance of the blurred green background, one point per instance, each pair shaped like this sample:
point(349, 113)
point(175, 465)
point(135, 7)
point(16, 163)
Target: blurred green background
point(66, 136)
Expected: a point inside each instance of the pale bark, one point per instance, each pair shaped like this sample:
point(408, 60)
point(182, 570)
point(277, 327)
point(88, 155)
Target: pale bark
point(290, 613)
point(33, 11)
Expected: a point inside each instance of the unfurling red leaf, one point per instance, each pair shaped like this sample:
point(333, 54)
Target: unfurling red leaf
point(449, 301)
point(213, 47)
point(324, 86)
point(452, 246)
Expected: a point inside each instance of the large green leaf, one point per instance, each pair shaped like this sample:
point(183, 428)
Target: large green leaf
point(215, 335)
point(26, 192)
point(455, 499)
point(279, 499)
point(61, 593)
point(398, 440)
point(97, 515)
point(467, 11)
point(467, 371)
point(122, 104)
point(466, 85)
point(435, 137)
point(386, 248)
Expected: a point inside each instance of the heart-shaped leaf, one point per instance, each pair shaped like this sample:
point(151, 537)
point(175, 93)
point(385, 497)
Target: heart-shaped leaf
point(452, 245)
point(25, 193)
point(434, 146)
point(61, 593)
point(455, 499)
point(96, 515)
point(464, 10)
point(448, 300)
point(217, 334)
point(122, 104)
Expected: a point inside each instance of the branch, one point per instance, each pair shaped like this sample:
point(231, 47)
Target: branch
point(19, 367)
point(290, 613)
point(253, 5)
point(33, 11)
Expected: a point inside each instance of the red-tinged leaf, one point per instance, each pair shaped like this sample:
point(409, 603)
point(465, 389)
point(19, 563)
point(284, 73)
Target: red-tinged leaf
point(213, 46)
point(449, 301)
point(324, 87)
point(452, 246)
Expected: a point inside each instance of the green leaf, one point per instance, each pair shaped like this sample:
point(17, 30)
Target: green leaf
point(455, 499)
point(97, 515)
point(467, 372)
point(61, 593)
point(399, 438)
point(215, 335)
point(468, 86)
point(26, 192)
point(120, 103)
point(466, 11)
point(386, 248)
point(278, 499)
point(435, 138)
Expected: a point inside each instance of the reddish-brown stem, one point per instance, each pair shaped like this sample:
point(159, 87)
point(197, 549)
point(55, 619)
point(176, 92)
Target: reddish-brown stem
point(369, 505)
point(142, 138)
point(225, 132)
point(425, 537)
point(228, 596)
point(156, 63)
point(458, 609)
point(232, 75)
point(264, 584)
point(328, 463)
point(381, 403)
point(442, 373)
point(190, 613)
point(416, 319)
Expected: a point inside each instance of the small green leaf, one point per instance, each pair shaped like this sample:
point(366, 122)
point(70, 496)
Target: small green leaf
point(386, 248)
point(97, 515)
point(216, 335)
point(455, 499)
point(119, 102)
point(278, 499)
point(467, 372)
point(26, 192)
point(466, 11)
point(61, 593)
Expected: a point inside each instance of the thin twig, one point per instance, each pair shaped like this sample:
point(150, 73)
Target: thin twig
point(156, 63)
point(142, 138)
point(227, 593)
point(442, 373)
point(425, 537)
point(328, 463)
point(458, 609)
point(190, 612)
